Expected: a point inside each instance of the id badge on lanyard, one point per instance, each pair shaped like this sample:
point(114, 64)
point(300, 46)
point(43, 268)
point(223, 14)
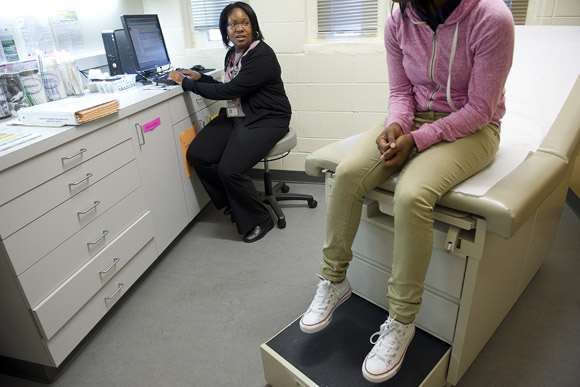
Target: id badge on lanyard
point(234, 105)
point(233, 109)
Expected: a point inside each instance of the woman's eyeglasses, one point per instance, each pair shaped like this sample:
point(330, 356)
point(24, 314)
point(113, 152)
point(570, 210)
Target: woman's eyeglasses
point(244, 24)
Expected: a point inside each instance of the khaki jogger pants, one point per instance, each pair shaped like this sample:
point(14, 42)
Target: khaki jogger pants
point(422, 181)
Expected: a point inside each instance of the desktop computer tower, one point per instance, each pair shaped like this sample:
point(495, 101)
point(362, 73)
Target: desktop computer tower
point(112, 52)
point(127, 59)
point(119, 57)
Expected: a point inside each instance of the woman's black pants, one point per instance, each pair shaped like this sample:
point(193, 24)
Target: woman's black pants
point(222, 154)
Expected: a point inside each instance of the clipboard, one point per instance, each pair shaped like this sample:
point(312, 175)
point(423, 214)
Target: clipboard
point(186, 138)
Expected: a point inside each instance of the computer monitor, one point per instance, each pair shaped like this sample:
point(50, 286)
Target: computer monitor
point(145, 40)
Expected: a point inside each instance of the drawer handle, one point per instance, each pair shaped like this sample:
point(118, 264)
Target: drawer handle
point(105, 232)
point(81, 151)
point(96, 203)
point(115, 261)
point(139, 129)
point(89, 175)
point(114, 294)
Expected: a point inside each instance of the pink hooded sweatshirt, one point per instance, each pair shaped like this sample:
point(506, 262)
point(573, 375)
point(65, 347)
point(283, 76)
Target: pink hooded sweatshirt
point(461, 68)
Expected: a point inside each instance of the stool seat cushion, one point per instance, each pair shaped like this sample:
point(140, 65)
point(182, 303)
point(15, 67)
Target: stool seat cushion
point(285, 144)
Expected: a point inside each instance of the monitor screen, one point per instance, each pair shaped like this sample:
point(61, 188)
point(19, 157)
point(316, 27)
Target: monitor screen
point(146, 42)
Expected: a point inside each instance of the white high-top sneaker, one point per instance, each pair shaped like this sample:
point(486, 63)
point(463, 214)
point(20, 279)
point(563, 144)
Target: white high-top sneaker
point(327, 298)
point(386, 357)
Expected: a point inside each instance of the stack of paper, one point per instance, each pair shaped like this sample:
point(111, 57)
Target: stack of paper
point(8, 140)
point(97, 111)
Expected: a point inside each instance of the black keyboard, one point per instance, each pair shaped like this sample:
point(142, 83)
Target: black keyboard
point(163, 79)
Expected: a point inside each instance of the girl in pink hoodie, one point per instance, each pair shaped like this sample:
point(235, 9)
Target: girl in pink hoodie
point(448, 61)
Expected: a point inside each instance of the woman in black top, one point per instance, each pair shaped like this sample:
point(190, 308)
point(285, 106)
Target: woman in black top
point(256, 118)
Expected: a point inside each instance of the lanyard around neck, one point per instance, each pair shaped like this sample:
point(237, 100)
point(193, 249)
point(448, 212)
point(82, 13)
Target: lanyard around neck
point(234, 70)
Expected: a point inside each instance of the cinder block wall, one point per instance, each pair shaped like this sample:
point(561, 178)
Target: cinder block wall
point(554, 12)
point(337, 86)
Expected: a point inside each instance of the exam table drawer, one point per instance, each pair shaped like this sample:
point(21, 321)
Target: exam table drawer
point(64, 302)
point(25, 176)
point(371, 266)
point(27, 207)
point(57, 225)
point(375, 241)
point(70, 335)
point(42, 278)
point(438, 314)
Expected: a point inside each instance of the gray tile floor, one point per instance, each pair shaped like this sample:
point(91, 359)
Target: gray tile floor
point(199, 316)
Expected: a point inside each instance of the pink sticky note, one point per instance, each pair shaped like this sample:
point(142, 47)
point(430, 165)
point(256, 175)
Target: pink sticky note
point(151, 125)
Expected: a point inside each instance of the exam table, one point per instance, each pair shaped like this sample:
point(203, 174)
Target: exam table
point(492, 232)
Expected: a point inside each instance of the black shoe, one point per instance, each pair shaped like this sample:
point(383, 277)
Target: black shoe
point(259, 231)
point(228, 210)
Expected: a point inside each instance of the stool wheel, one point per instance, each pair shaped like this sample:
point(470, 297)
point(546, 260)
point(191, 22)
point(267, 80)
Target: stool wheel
point(285, 188)
point(312, 203)
point(281, 223)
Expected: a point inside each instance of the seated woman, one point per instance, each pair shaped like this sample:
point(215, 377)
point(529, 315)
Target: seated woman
point(448, 61)
point(257, 117)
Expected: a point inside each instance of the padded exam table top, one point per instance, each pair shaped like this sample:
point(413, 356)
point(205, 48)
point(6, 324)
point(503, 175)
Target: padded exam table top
point(540, 134)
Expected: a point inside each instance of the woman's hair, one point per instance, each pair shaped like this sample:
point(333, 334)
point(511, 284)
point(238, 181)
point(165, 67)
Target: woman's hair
point(427, 7)
point(256, 33)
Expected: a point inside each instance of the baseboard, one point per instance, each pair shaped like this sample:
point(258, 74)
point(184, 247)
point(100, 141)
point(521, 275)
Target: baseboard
point(573, 201)
point(287, 176)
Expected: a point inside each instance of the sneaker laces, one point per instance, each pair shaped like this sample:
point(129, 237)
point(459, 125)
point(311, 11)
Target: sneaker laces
point(325, 291)
point(386, 345)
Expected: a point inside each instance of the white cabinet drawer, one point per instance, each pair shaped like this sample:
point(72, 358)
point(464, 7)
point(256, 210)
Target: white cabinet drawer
point(57, 225)
point(66, 339)
point(437, 315)
point(64, 302)
point(25, 176)
point(375, 241)
point(25, 208)
point(46, 275)
point(185, 105)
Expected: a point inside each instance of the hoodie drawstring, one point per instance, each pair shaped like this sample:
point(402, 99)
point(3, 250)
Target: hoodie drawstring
point(453, 47)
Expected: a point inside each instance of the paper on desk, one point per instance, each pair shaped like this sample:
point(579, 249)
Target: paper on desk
point(8, 140)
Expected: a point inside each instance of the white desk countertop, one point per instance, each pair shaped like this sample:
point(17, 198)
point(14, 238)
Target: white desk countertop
point(131, 101)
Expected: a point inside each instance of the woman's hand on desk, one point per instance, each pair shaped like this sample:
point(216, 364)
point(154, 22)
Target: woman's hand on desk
point(178, 76)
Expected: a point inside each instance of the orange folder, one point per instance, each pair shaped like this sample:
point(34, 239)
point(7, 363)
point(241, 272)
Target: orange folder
point(187, 137)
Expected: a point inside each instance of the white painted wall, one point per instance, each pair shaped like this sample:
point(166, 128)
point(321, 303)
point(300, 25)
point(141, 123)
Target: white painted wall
point(94, 16)
point(554, 12)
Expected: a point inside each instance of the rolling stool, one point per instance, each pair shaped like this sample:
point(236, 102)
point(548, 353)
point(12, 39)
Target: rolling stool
point(272, 196)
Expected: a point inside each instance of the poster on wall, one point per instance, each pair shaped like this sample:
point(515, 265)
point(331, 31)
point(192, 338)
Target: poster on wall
point(67, 31)
point(35, 34)
point(9, 52)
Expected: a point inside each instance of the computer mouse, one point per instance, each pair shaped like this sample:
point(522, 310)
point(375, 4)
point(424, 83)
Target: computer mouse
point(198, 68)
